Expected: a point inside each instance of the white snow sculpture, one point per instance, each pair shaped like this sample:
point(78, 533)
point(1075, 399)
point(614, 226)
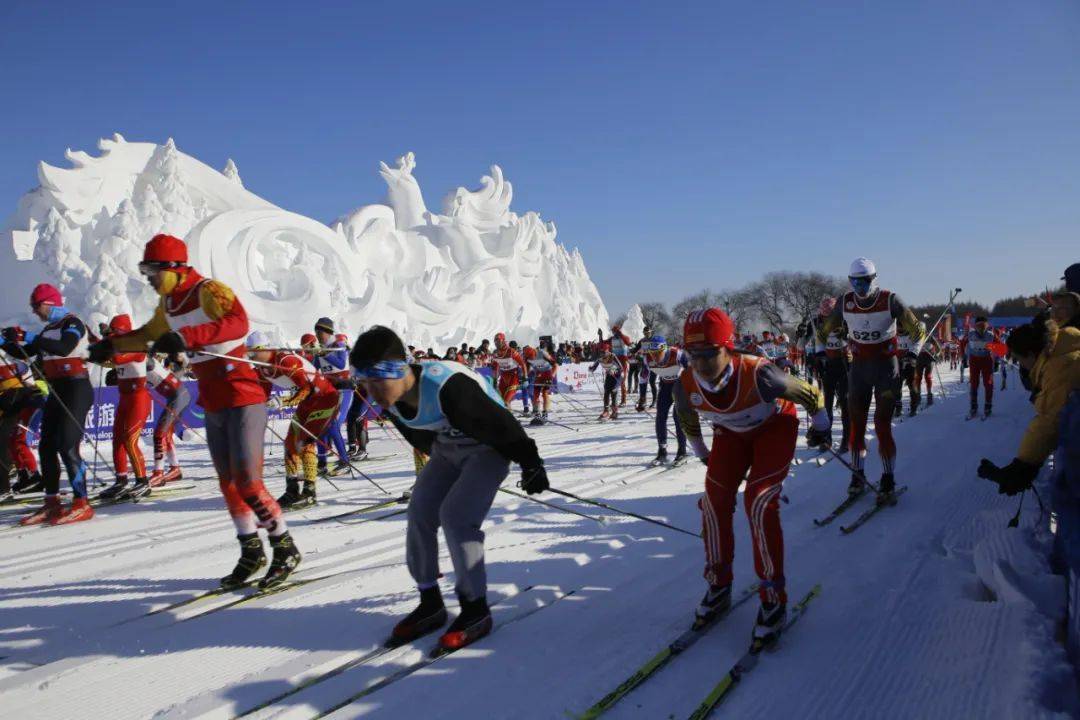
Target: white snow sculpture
point(439, 279)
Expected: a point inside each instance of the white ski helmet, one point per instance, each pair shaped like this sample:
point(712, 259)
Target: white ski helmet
point(862, 267)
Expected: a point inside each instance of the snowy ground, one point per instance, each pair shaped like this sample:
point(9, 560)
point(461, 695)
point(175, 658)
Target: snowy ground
point(933, 609)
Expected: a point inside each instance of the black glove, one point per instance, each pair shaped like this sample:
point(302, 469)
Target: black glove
point(534, 480)
point(1016, 477)
point(100, 351)
point(987, 470)
point(110, 377)
point(14, 334)
point(171, 343)
point(818, 438)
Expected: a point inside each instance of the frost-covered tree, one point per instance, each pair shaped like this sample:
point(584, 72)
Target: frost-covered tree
point(59, 248)
point(108, 291)
point(167, 177)
point(126, 238)
point(148, 206)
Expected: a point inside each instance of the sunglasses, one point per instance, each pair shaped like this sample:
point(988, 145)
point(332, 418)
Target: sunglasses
point(384, 370)
point(704, 353)
point(151, 268)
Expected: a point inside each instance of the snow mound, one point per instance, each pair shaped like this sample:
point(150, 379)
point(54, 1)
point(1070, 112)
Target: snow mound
point(444, 278)
point(634, 325)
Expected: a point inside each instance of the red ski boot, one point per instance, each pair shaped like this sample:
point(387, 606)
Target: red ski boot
point(80, 510)
point(50, 510)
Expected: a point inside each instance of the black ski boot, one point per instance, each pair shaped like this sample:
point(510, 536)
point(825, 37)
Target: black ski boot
point(973, 411)
point(307, 495)
point(291, 496)
point(660, 459)
point(116, 490)
point(286, 558)
point(716, 602)
point(140, 489)
point(473, 623)
point(680, 458)
point(886, 489)
point(28, 483)
point(251, 559)
point(986, 411)
point(770, 623)
point(929, 399)
point(429, 615)
point(857, 486)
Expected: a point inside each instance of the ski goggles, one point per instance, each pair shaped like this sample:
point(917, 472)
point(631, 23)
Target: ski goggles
point(150, 268)
point(384, 370)
point(862, 285)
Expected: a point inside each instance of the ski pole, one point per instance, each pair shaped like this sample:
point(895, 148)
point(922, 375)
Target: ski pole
point(853, 469)
point(597, 503)
point(553, 506)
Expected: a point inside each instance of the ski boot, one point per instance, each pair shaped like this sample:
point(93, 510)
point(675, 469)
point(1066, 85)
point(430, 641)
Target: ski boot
point(291, 496)
point(473, 623)
point(640, 407)
point(886, 489)
point(340, 468)
point(51, 510)
point(929, 399)
point(251, 559)
point(660, 459)
point(140, 489)
point(972, 412)
point(770, 623)
point(157, 478)
point(307, 495)
point(286, 558)
point(80, 510)
point(614, 413)
point(173, 474)
point(537, 419)
point(526, 412)
point(857, 486)
point(115, 491)
point(716, 602)
point(680, 458)
point(429, 615)
point(28, 483)
point(844, 449)
point(986, 411)
point(914, 409)
point(604, 415)
point(322, 467)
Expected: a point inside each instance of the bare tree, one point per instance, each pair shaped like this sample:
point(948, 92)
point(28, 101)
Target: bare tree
point(657, 319)
point(803, 292)
point(738, 304)
point(697, 301)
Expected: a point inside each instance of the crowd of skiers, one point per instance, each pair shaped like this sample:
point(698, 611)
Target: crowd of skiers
point(857, 353)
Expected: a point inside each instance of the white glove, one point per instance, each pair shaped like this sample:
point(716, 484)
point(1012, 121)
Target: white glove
point(820, 421)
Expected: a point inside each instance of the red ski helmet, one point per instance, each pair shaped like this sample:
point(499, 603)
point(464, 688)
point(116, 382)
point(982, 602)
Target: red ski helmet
point(308, 339)
point(500, 337)
point(704, 328)
point(47, 294)
point(165, 249)
point(120, 324)
point(530, 352)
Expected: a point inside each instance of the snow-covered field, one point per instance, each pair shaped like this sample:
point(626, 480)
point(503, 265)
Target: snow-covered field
point(933, 609)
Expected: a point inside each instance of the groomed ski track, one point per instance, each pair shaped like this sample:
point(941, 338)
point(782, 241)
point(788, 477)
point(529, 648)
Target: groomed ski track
point(918, 616)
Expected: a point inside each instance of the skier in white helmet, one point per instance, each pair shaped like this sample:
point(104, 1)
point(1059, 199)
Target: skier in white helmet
point(872, 315)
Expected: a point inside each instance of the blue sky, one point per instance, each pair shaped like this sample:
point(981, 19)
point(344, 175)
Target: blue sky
point(680, 146)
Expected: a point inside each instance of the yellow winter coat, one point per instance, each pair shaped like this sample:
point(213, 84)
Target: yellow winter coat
point(1055, 374)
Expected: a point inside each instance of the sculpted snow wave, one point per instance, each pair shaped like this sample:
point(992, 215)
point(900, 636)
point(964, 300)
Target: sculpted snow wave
point(444, 278)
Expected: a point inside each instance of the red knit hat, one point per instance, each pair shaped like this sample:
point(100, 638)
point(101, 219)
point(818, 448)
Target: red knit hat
point(704, 328)
point(308, 339)
point(165, 249)
point(46, 293)
point(120, 324)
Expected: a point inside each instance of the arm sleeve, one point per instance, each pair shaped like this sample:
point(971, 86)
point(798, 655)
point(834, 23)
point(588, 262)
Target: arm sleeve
point(471, 411)
point(1059, 378)
point(137, 340)
point(71, 331)
point(907, 320)
point(688, 417)
point(228, 321)
point(774, 383)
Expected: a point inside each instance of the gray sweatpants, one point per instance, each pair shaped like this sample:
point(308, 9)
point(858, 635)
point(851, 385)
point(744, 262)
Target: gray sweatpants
point(454, 490)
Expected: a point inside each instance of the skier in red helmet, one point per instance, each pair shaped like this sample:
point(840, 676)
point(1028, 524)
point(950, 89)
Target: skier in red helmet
point(59, 348)
point(197, 313)
point(509, 368)
point(750, 403)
